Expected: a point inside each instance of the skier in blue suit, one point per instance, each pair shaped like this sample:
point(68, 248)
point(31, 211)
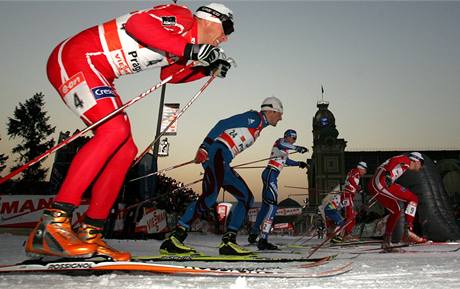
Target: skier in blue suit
point(278, 159)
point(226, 139)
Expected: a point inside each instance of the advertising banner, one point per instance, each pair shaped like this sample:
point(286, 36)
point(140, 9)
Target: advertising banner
point(24, 211)
point(170, 111)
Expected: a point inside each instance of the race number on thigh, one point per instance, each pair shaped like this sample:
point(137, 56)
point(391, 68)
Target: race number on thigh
point(77, 95)
point(267, 225)
point(411, 209)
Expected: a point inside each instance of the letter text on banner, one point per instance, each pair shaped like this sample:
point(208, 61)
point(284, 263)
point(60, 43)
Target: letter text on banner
point(170, 111)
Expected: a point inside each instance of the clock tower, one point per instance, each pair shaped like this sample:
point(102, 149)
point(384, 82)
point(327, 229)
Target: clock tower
point(327, 165)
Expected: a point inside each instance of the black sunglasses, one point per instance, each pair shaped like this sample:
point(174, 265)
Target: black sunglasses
point(227, 20)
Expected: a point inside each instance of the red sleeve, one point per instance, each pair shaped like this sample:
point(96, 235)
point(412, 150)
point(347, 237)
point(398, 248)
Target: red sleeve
point(188, 75)
point(161, 27)
point(398, 160)
point(353, 180)
point(398, 163)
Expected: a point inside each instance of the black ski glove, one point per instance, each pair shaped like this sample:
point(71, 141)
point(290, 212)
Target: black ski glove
point(303, 165)
point(220, 68)
point(203, 53)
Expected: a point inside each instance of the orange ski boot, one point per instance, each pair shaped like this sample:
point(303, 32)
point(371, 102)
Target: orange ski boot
point(53, 236)
point(93, 235)
point(411, 238)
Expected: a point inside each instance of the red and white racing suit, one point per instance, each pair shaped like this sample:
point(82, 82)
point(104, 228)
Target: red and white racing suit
point(83, 69)
point(389, 194)
point(351, 187)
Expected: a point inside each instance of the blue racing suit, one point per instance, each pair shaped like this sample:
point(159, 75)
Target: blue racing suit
point(226, 139)
point(278, 160)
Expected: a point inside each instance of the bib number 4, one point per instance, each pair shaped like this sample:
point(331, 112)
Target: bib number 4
point(78, 102)
point(77, 95)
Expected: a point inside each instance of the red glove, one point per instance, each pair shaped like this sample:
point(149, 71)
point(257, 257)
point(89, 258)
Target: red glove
point(201, 156)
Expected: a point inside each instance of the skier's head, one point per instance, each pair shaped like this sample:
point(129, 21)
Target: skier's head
point(362, 166)
point(290, 135)
point(217, 24)
point(272, 104)
point(272, 109)
point(416, 160)
point(416, 157)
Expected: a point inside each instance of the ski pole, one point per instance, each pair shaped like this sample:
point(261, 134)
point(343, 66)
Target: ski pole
point(92, 126)
point(308, 239)
point(188, 184)
point(163, 170)
point(295, 187)
point(256, 167)
point(371, 202)
point(262, 167)
point(261, 160)
point(181, 112)
point(335, 233)
point(157, 197)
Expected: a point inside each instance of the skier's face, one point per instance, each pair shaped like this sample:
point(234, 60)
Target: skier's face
point(211, 33)
point(273, 117)
point(415, 166)
point(291, 139)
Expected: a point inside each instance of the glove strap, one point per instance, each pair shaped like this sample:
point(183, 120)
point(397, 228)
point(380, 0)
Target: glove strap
point(191, 51)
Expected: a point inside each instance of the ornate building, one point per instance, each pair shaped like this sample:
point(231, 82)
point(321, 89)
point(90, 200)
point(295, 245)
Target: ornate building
point(327, 165)
point(330, 162)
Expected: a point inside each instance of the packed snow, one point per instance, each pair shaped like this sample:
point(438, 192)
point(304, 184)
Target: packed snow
point(434, 266)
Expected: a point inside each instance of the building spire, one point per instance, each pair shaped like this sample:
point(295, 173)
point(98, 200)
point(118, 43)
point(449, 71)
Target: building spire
point(322, 101)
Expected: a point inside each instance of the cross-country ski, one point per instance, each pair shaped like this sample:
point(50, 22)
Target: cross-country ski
point(97, 268)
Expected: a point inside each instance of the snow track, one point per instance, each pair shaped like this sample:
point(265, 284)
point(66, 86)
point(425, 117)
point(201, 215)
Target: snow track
point(398, 271)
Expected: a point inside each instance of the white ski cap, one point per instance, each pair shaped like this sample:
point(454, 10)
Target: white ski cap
point(272, 103)
point(416, 156)
point(217, 13)
point(207, 14)
point(362, 165)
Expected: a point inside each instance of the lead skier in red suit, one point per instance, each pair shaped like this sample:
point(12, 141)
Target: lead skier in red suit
point(83, 68)
point(389, 194)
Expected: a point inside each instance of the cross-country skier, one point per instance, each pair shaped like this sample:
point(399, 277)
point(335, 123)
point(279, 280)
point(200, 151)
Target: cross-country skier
point(351, 188)
point(83, 68)
point(334, 202)
point(227, 138)
point(390, 195)
point(278, 159)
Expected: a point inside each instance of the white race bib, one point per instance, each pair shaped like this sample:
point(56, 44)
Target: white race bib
point(77, 95)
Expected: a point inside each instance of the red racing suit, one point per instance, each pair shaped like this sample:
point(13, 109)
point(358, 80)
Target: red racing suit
point(351, 187)
point(389, 194)
point(83, 69)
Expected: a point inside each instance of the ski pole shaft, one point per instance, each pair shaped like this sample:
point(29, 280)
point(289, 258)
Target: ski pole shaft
point(188, 185)
point(157, 197)
point(256, 167)
point(372, 201)
point(335, 233)
point(295, 187)
point(261, 160)
point(92, 126)
point(181, 112)
point(163, 170)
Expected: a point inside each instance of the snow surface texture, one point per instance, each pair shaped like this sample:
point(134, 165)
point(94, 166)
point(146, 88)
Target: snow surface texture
point(414, 269)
